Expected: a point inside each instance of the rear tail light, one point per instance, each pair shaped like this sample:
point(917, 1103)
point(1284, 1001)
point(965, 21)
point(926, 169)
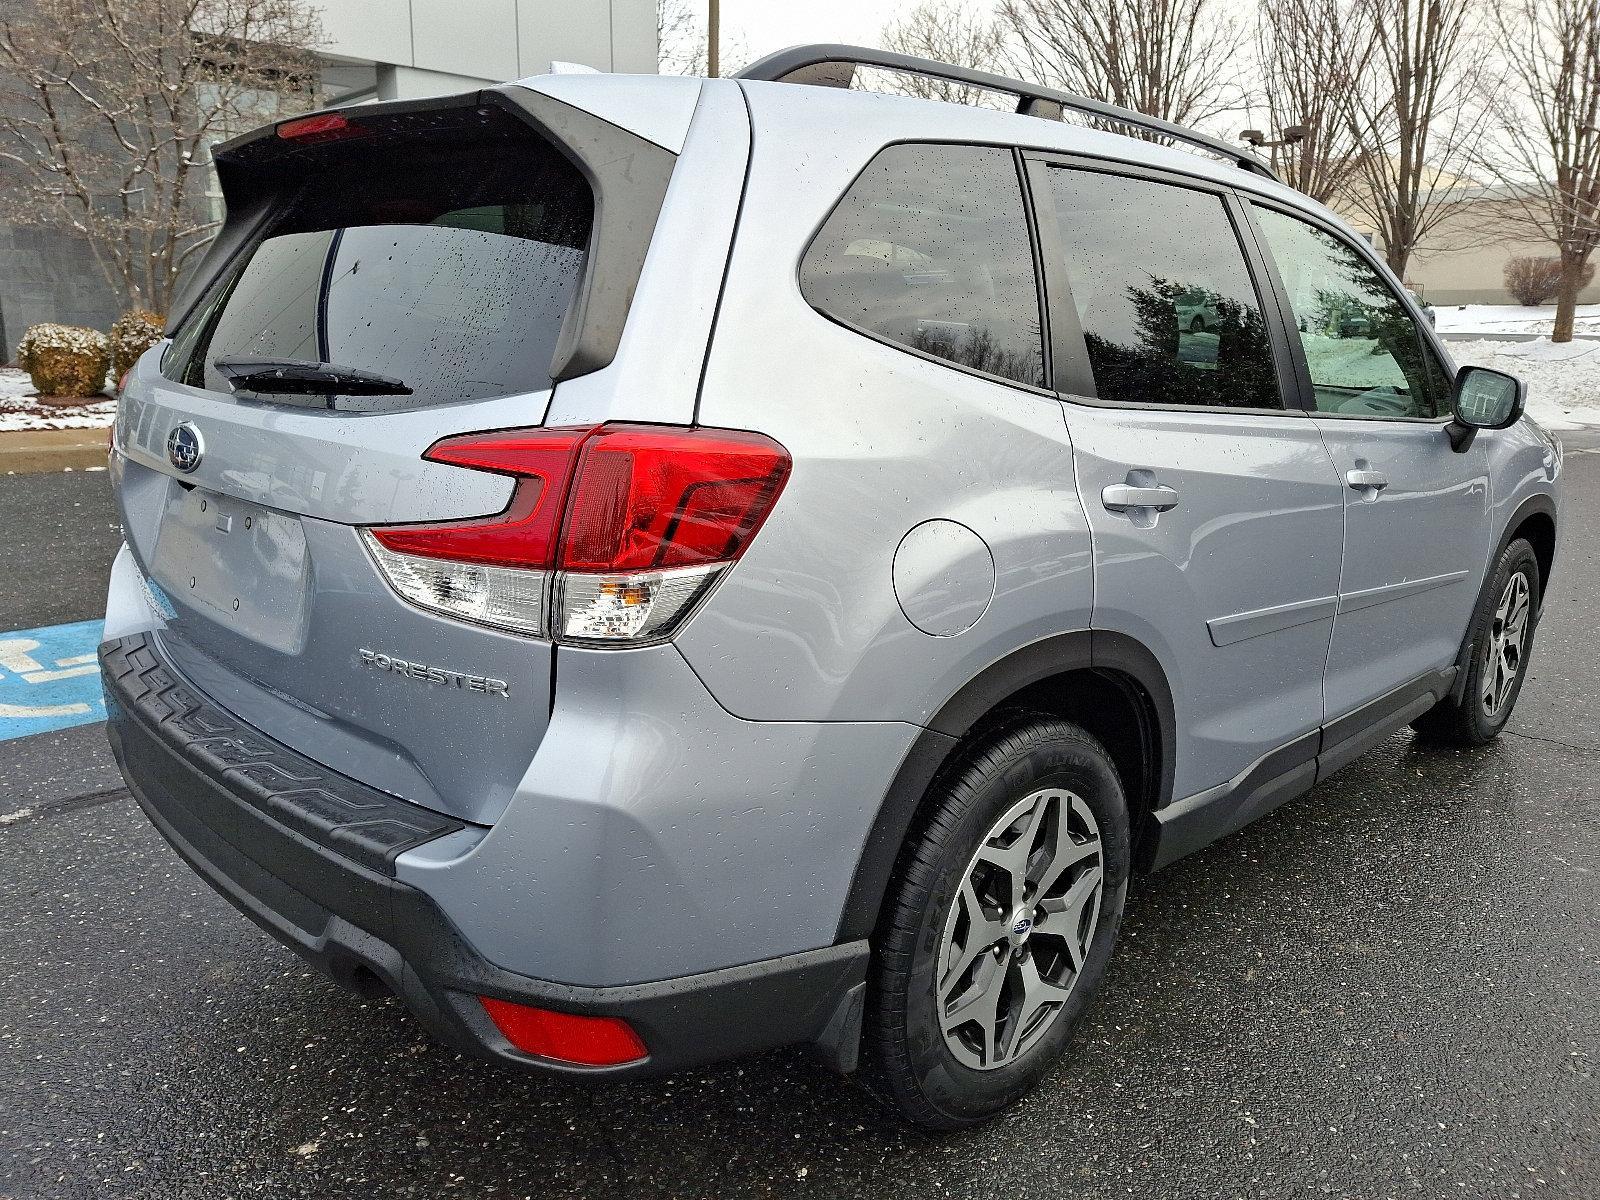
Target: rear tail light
point(564, 1037)
point(612, 536)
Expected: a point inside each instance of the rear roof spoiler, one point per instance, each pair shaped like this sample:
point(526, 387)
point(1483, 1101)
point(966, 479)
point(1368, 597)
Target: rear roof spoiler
point(835, 66)
point(627, 175)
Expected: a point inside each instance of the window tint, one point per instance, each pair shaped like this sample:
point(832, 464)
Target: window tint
point(455, 282)
point(929, 249)
point(1169, 313)
point(1365, 353)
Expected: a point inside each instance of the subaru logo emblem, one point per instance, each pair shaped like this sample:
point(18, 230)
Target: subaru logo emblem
point(184, 447)
point(1023, 925)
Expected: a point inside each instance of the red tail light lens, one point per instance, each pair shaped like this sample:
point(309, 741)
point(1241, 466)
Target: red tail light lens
point(524, 535)
point(583, 1041)
point(648, 498)
point(637, 522)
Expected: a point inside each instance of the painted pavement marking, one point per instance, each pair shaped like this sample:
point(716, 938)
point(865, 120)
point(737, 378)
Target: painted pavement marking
point(49, 679)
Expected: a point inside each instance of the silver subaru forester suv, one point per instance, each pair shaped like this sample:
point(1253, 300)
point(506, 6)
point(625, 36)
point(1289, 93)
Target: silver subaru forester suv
point(647, 570)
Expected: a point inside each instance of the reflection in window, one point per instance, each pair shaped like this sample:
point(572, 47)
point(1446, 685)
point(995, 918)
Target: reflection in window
point(930, 250)
point(1364, 352)
point(1169, 313)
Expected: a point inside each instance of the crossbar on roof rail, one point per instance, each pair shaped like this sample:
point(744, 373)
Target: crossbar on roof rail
point(835, 66)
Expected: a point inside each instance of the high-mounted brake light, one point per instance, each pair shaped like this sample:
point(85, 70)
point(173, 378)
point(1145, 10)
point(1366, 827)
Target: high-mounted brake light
point(617, 530)
point(565, 1037)
point(324, 127)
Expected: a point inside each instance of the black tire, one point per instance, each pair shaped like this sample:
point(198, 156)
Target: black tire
point(908, 1061)
point(1468, 721)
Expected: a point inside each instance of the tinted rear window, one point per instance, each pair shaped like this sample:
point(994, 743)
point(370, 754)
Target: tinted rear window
point(1169, 311)
point(929, 250)
point(450, 268)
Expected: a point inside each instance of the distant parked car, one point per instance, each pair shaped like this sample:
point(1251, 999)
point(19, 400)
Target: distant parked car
point(1197, 311)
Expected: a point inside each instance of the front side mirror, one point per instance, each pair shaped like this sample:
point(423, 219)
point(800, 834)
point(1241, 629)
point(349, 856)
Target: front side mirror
point(1483, 399)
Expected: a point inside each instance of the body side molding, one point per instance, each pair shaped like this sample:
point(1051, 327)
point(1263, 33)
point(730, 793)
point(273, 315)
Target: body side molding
point(1239, 627)
point(1371, 597)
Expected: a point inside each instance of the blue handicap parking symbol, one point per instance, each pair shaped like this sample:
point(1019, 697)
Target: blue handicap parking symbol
point(49, 679)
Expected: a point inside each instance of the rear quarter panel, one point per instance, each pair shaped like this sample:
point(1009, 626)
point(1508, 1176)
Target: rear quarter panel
point(808, 625)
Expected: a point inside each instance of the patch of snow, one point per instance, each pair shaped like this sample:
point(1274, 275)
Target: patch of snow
point(1563, 384)
point(1544, 350)
point(21, 409)
point(15, 384)
point(1511, 318)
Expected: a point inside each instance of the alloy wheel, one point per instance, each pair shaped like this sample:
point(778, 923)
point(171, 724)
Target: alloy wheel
point(1019, 929)
point(1503, 655)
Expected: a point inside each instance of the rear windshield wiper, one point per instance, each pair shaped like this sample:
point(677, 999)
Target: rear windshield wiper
point(296, 377)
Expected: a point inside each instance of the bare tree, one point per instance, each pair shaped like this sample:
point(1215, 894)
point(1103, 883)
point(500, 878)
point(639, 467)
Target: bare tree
point(946, 31)
point(1175, 59)
point(111, 109)
point(1545, 148)
point(682, 44)
point(1309, 53)
point(1416, 116)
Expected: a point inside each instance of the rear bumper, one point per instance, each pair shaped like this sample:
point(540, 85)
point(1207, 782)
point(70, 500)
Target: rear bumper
point(310, 857)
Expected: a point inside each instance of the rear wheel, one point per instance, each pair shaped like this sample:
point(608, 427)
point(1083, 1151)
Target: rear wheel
point(1502, 635)
point(1001, 920)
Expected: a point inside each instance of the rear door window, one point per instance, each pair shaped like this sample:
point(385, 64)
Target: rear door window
point(1169, 311)
point(453, 281)
point(929, 250)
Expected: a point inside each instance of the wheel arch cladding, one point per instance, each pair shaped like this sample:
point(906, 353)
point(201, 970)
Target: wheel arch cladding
point(1108, 683)
point(1537, 525)
point(1535, 522)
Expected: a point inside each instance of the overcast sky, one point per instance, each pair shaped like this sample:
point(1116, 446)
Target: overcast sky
point(768, 25)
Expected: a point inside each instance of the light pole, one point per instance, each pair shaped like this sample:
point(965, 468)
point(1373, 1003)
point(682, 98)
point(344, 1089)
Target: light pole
point(713, 36)
point(1291, 135)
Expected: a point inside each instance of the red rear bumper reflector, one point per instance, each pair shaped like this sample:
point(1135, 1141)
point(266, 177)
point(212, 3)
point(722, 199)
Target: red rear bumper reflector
point(564, 1037)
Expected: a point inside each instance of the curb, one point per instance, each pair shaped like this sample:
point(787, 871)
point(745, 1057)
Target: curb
point(33, 451)
point(1467, 335)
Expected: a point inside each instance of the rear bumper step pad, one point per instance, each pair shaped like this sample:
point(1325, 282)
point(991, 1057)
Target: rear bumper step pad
point(309, 856)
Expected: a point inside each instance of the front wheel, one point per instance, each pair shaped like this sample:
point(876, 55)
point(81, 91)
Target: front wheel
point(1001, 921)
point(1502, 636)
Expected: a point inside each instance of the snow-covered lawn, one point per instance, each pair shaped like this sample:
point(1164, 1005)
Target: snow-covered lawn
point(20, 407)
point(1490, 319)
point(1563, 381)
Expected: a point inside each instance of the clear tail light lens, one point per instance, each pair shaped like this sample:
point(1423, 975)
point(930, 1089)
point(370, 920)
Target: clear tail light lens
point(612, 536)
point(504, 597)
point(641, 606)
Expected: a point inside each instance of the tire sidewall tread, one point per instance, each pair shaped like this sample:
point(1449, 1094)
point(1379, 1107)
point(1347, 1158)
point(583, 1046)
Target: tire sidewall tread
point(1463, 722)
point(907, 1056)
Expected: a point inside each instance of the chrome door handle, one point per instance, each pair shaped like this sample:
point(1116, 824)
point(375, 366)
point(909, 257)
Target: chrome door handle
point(1360, 480)
point(1120, 497)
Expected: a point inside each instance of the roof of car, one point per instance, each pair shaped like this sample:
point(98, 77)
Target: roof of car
point(836, 66)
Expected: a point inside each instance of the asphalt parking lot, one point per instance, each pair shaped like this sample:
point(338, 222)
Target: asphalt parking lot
point(1390, 987)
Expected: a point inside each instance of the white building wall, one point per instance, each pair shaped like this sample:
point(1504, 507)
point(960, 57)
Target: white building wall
point(432, 47)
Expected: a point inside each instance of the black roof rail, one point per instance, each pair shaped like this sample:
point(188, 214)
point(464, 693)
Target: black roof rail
point(835, 66)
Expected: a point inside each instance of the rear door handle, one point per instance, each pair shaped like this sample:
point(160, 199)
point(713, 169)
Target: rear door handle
point(1120, 497)
point(1361, 480)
